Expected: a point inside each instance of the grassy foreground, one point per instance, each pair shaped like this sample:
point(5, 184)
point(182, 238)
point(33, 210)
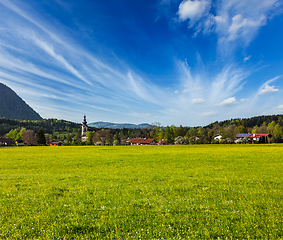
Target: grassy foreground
point(204, 191)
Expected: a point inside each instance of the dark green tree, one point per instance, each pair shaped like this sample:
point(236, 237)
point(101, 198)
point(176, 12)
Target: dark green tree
point(40, 137)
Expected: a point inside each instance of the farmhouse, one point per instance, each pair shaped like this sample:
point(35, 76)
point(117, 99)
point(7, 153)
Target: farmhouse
point(142, 141)
point(161, 142)
point(251, 138)
point(256, 137)
point(242, 138)
point(7, 141)
point(217, 137)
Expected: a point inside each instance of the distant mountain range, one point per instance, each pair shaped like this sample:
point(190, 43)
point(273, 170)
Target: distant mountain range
point(118, 125)
point(13, 107)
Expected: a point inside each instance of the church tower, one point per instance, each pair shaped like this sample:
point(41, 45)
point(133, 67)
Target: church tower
point(84, 130)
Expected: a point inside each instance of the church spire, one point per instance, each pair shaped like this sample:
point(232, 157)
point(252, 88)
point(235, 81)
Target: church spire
point(84, 121)
point(84, 130)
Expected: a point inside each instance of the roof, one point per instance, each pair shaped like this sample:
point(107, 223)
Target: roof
point(7, 140)
point(141, 140)
point(258, 135)
point(242, 135)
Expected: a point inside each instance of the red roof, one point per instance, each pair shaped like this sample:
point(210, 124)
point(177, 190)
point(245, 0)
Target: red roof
point(161, 141)
point(258, 135)
point(141, 140)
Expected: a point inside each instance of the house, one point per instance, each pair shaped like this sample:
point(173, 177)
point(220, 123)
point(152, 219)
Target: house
point(142, 141)
point(217, 137)
point(161, 142)
point(243, 138)
point(125, 141)
point(256, 137)
point(7, 141)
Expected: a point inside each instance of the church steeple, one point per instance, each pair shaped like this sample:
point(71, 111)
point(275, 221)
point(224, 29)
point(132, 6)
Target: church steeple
point(84, 129)
point(84, 121)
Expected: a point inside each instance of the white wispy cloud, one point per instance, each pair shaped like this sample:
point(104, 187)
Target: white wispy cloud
point(266, 88)
point(242, 27)
point(233, 20)
point(247, 58)
point(50, 50)
point(228, 102)
point(193, 10)
point(198, 101)
point(228, 82)
point(25, 15)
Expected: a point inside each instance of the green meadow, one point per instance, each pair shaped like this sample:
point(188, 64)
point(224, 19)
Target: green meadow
point(142, 192)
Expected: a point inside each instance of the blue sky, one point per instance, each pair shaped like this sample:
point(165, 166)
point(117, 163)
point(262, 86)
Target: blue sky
point(167, 61)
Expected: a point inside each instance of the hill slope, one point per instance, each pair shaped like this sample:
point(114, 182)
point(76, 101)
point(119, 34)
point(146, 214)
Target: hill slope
point(13, 107)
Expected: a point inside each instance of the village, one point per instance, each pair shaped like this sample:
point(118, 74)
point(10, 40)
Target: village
point(240, 138)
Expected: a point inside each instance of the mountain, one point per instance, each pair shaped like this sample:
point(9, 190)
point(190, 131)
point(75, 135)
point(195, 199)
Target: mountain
point(118, 125)
point(13, 107)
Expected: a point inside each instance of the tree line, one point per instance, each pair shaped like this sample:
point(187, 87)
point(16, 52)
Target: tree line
point(32, 132)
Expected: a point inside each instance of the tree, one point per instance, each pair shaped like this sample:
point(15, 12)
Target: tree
point(192, 132)
point(161, 134)
point(180, 131)
point(29, 137)
point(201, 131)
point(181, 140)
point(255, 129)
point(40, 137)
point(20, 134)
point(263, 128)
point(210, 136)
point(169, 134)
point(13, 134)
point(122, 135)
point(277, 133)
point(231, 129)
point(271, 126)
point(116, 142)
point(89, 136)
point(74, 142)
point(172, 132)
point(241, 128)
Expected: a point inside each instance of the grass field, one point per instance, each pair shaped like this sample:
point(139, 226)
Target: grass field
point(204, 191)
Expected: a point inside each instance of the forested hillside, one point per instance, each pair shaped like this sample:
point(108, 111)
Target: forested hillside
point(251, 122)
point(48, 125)
point(13, 107)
